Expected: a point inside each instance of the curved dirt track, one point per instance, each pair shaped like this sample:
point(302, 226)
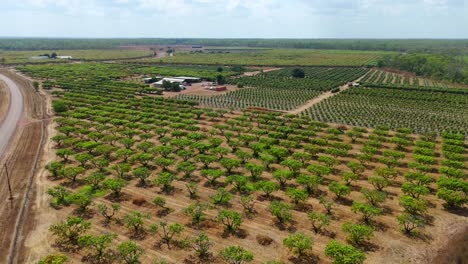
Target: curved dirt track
point(8, 126)
point(21, 134)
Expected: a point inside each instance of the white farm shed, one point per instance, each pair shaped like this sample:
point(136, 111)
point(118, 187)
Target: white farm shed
point(179, 80)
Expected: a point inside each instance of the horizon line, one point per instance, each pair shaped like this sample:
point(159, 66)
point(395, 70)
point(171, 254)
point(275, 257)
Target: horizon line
point(218, 38)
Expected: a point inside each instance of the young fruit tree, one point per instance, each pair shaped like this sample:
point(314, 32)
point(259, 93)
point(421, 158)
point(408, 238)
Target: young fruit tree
point(221, 197)
point(374, 197)
point(135, 220)
point(129, 252)
point(69, 232)
point(197, 212)
point(201, 245)
point(53, 259)
point(299, 243)
point(107, 212)
point(340, 190)
point(100, 246)
point(60, 195)
point(344, 254)
point(357, 234)
point(167, 232)
point(281, 211)
point(409, 223)
point(368, 211)
point(327, 204)
point(319, 221)
point(237, 255)
point(230, 219)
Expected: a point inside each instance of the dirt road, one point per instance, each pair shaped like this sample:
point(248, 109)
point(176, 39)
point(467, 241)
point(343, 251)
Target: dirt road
point(21, 134)
point(260, 71)
point(8, 126)
point(320, 98)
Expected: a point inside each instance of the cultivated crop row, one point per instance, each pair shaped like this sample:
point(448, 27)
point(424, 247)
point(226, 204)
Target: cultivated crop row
point(420, 110)
point(278, 57)
point(13, 57)
point(278, 90)
point(100, 71)
point(147, 179)
point(380, 78)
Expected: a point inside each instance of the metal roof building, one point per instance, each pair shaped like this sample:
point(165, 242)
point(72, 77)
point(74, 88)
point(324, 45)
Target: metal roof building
point(188, 79)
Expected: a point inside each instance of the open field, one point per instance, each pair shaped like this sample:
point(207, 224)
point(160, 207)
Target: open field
point(114, 144)
point(279, 57)
point(17, 57)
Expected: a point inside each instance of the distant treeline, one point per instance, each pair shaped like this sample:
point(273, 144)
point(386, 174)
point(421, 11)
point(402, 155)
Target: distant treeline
point(437, 66)
point(401, 45)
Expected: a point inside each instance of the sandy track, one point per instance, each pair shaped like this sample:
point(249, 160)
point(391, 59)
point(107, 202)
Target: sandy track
point(21, 151)
point(261, 71)
point(320, 98)
point(36, 234)
point(8, 126)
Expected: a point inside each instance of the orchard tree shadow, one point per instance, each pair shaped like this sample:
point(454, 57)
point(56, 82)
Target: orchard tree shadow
point(368, 246)
point(288, 226)
point(460, 211)
point(193, 259)
point(305, 259)
point(239, 233)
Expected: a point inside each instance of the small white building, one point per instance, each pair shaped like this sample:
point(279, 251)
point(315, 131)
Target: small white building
point(189, 79)
point(65, 57)
point(180, 80)
point(171, 80)
point(39, 58)
point(356, 84)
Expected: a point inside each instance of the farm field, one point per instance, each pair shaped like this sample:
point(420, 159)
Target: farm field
point(15, 57)
point(279, 57)
point(164, 178)
point(233, 132)
point(422, 110)
point(278, 90)
point(121, 72)
point(214, 49)
point(378, 78)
